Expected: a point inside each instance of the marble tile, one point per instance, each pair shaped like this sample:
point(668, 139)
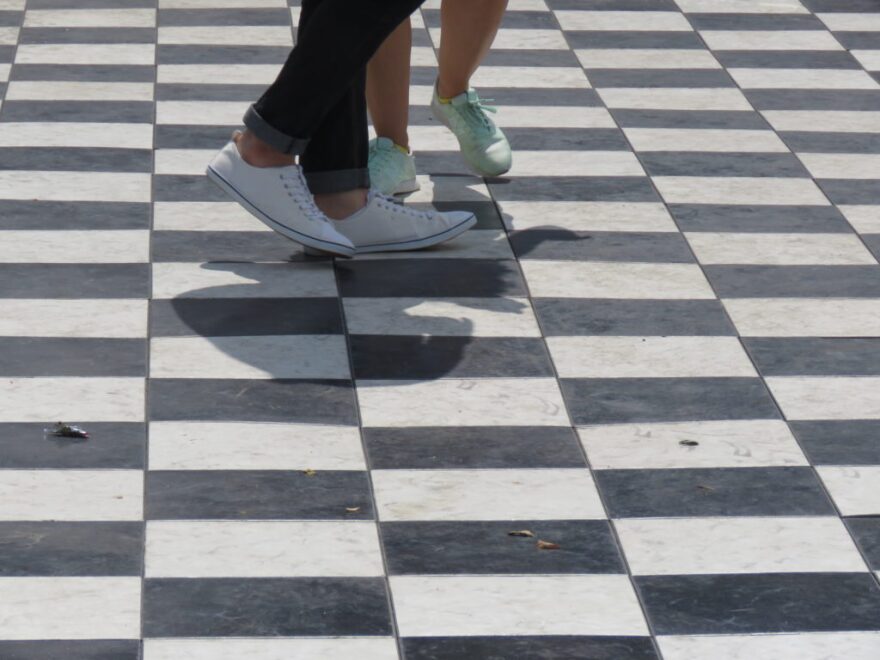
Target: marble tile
point(804, 317)
point(230, 74)
point(237, 446)
point(864, 218)
point(478, 605)
point(243, 280)
point(81, 649)
point(227, 35)
point(76, 134)
point(182, 161)
point(544, 77)
point(675, 98)
point(118, 54)
point(571, 279)
point(553, 116)
point(734, 281)
point(646, 58)
point(705, 140)
point(762, 603)
point(738, 545)
point(854, 489)
point(839, 121)
point(634, 357)
point(869, 59)
point(842, 166)
point(120, 445)
point(75, 186)
point(75, 18)
point(850, 21)
point(265, 607)
point(587, 216)
point(779, 249)
point(770, 40)
point(835, 397)
point(253, 549)
point(655, 21)
point(742, 6)
point(69, 318)
point(459, 317)
point(517, 39)
point(804, 356)
point(338, 648)
point(846, 442)
point(101, 399)
point(90, 246)
point(738, 190)
point(200, 113)
point(70, 608)
point(462, 402)
point(507, 494)
point(575, 163)
point(711, 492)
point(736, 443)
point(204, 216)
point(30, 90)
point(296, 356)
point(71, 495)
point(787, 646)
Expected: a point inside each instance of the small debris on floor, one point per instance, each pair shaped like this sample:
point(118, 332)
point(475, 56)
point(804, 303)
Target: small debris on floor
point(63, 430)
point(309, 472)
point(704, 488)
point(688, 443)
point(352, 509)
point(521, 532)
point(547, 545)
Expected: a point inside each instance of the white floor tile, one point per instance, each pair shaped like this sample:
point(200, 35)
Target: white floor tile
point(721, 98)
point(305, 648)
point(739, 190)
point(715, 140)
point(855, 490)
point(830, 397)
point(803, 79)
point(201, 113)
point(770, 40)
point(721, 444)
point(646, 58)
point(649, 357)
point(22, 317)
point(90, 18)
point(76, 134)
point(842, 166)
point(227, 35)
point(864, 218)
point(70, 608)
point(792, 646)
point(834, 121)
point(207, 74)
point(71, 495)
point(532, 77)
point(779, 249)
point(516, 605)
point(255, 549)
point(182, 161)
point(850, 21)
point(579, 279)
point(97, 399)
point(125, 54)
point(75, 186)
point(243, 280)
point(631, 21)
point(869, 59)
point(456, 317)
point(222, 4)
point(742, 6)
point(204, 216)
point(449, 188)
point(85, 246)
point(553, 116)
point(804, 317)
point(692, 546)
point(284, 356)
point(587, 216)
point(254, 446)
point(521, 39)
point(508, 494)
point(462, 402)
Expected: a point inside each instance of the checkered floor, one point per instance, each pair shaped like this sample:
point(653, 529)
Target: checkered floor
point(659, 350)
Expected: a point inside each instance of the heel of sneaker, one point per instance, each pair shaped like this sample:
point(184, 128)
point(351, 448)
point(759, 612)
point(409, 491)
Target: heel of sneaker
point(408, 186)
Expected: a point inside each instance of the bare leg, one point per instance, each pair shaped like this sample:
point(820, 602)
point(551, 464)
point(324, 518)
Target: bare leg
point(257, 153)
point(469, 28)
point(388, 85)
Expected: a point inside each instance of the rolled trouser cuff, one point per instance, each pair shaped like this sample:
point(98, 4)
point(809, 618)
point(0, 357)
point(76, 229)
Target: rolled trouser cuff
point(337, 180)
point(272, 136)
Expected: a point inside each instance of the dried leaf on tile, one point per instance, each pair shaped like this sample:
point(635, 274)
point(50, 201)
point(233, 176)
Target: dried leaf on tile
point(547, 545)
point(522, 532)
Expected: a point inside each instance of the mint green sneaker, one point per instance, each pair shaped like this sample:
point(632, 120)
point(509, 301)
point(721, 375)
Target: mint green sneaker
point(392, 172)
point(483, 145)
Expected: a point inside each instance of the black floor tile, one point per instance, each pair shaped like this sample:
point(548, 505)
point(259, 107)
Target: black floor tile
point(550, 243)
point(534, 648)
point(128, 649)
point(796, 356)
point(115, 445)
point(72, 356)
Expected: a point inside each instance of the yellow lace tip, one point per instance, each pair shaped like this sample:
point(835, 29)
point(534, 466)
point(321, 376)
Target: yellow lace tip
point(402, 150)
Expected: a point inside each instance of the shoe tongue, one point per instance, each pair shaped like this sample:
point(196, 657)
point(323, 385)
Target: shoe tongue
point(469, 96)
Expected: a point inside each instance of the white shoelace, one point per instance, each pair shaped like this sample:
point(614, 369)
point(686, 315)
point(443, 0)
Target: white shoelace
point(298, 191)
point(388, 202)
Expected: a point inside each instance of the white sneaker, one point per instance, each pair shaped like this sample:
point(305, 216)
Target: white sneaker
point(278, 197)
point(384, 225)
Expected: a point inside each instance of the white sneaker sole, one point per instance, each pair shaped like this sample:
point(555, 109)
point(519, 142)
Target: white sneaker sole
point(406, 246)
point(408, 186)
point(326, 247)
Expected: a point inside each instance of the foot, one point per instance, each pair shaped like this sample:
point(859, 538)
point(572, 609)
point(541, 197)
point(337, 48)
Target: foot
point(384, 225)
point(279, 198)
point(483, 145)
point(392, 168)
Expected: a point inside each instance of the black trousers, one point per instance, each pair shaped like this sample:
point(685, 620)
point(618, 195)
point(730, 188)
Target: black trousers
point(317, 108)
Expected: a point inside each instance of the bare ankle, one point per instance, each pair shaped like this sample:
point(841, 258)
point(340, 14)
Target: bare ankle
point(450, 89)
point(257, 153)
point(340, 205)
